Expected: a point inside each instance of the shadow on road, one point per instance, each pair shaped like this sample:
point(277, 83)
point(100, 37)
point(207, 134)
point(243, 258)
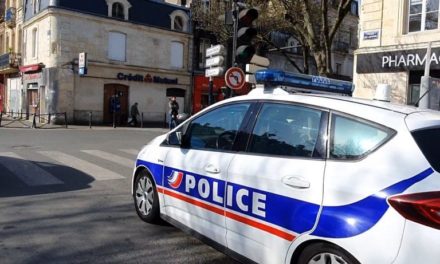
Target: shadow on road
point(17, 179)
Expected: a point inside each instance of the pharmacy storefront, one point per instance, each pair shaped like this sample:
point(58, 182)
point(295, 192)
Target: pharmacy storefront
point(401, 69)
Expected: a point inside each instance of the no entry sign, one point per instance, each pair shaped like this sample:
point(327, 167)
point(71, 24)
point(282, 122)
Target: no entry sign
point(235, 78)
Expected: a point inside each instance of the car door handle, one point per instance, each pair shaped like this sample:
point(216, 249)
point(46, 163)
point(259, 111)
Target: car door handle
point(212, 169)
point(296, 182)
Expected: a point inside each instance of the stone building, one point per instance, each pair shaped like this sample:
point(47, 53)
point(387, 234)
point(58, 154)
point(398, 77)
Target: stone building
point(136, 51)
point(10, 55)
point(393, 42)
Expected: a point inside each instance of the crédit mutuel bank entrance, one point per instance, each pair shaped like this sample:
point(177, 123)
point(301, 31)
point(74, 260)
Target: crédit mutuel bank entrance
point(401, 69)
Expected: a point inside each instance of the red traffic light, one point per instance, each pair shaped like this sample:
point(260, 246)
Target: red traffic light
point(247, 16)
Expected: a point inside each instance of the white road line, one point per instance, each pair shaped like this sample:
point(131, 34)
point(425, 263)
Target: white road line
point(111, 157)
point(27, 171)
point(88, 168)
point(130, 151)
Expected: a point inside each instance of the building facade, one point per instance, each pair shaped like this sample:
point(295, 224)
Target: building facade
point(136, 51)
point(394, 38)
point(10, 55)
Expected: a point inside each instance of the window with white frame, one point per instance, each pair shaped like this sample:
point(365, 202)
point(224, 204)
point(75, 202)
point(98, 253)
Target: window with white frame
point(118, 8)
point(117, 46)
point(423, 15)
point(176, 54)
point(179, 21)
point(36, 6)
point(34, 42)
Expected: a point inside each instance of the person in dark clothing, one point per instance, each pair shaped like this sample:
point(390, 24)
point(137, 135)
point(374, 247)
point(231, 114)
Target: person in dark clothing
point(174, 111)
point(134, 112)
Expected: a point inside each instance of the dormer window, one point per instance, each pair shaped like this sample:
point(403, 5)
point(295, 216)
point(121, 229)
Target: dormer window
point(179, 21)
point(118, 8)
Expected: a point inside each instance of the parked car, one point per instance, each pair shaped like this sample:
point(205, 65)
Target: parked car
point(274, 177)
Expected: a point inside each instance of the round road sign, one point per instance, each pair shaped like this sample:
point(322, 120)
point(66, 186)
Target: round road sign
point(234, 78)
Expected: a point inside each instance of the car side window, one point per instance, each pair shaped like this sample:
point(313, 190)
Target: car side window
point(352, 139)
point(218, 128)
point(286, 130)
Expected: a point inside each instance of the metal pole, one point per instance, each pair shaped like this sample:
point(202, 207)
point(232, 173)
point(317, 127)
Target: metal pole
point(424, 82)
point(34, 123)
point(65, 118)
point(234, 36)
point(49, 118)
point(142, 120)
point(90, 119)
point(210, 97)
point(1, 116)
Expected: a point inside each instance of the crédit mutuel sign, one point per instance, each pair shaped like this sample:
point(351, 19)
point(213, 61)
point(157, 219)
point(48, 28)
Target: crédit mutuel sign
point(397, 61)
point(145, 78)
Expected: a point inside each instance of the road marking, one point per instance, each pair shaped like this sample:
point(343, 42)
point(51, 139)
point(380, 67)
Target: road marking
point(130, 151)
point(27, 171)
point(111, 157)
point(88, 168)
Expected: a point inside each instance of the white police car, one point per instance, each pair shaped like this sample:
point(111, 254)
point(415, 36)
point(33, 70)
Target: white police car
point(272, 177)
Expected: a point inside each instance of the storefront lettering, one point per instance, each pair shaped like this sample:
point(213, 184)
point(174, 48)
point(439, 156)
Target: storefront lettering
point(145, 78)
point(407, 60)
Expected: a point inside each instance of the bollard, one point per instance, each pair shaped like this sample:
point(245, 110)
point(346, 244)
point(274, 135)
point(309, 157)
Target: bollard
point(1, 116)
point(114, 119)
point(48, 119)
point(65, 118)
point(21, 115)
point(34, 122)
point(142, 120)
point(90, 119)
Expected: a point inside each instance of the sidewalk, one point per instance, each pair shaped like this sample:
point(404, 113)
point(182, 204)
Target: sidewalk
point(9, 122)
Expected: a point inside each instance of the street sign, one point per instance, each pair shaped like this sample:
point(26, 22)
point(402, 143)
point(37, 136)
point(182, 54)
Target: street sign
point(215, 61)
point(235, 78)
point(82, 63)
point(212, 72)
point(260, 61)
point(215, 50)
point(251, 68)
point(250, 78)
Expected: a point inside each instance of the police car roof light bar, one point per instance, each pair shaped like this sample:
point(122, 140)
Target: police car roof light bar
point(308, 83)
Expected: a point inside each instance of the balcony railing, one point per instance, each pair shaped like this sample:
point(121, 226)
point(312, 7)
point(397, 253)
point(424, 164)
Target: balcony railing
point(10, 60)
point(10, 17)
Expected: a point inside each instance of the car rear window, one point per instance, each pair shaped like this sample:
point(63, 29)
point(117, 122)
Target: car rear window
point(428, 141)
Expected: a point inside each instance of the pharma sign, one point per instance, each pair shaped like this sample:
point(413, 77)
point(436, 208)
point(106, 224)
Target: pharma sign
point(397, 61)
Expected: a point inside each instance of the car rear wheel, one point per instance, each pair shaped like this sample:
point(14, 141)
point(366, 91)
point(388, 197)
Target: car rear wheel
point(323, 253)
point(145, 198)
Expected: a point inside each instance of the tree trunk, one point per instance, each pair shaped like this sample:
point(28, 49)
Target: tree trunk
point(321, 62)
point(306, 55)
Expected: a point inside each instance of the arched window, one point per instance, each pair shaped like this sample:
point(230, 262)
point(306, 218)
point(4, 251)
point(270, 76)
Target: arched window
point(118, 10)
point(178, 23)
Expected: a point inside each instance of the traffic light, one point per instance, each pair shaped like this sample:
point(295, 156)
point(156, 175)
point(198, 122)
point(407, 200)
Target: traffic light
point(245, 35)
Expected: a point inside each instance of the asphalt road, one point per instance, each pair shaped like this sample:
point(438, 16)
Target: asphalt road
point(65, 198)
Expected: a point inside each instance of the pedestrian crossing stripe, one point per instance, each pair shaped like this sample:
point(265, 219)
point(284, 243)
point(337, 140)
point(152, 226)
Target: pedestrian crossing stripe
point(111, 157)
point(95, 171)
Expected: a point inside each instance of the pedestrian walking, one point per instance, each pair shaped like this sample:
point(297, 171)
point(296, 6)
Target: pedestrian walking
point(134, 112)
point(173, 111)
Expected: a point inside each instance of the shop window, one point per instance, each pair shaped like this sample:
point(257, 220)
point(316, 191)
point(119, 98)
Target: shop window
point(179, 21)
point(118, 10)
point(413, 94)
point(423, 15)
point(176, 55)
point(116, 46)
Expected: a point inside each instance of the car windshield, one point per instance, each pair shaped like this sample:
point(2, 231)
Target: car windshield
point(428, 141)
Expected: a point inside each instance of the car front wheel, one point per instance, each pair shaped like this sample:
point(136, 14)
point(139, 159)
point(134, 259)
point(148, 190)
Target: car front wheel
point(145, 198)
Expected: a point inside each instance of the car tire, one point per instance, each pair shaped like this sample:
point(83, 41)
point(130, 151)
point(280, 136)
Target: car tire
point(325, 253)
point(146, 200)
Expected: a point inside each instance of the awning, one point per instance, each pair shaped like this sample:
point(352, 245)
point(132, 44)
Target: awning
point(31, 68)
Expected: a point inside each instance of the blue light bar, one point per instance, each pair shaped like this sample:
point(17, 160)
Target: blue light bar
point(273, 78)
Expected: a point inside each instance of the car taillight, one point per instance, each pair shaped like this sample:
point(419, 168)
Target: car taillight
point(423, 208)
